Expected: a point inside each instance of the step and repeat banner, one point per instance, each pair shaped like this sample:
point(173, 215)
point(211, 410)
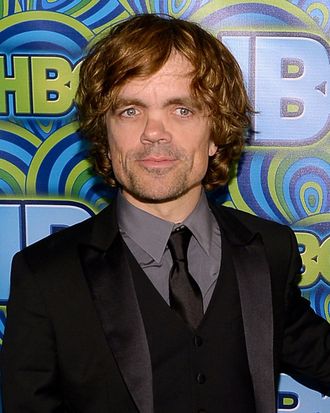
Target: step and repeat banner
point(46, 183)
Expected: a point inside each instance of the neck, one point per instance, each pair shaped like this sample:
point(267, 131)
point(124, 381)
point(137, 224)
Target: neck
point(176, 210)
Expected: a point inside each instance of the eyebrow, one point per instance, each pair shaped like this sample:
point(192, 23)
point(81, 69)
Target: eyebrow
point(123, 102)
point(193, 103)
point(184, 101)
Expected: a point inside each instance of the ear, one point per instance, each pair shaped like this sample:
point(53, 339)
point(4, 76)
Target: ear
point(212, 148)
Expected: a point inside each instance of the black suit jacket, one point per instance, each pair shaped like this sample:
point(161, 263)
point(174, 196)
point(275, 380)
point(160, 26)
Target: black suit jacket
point(75, 339)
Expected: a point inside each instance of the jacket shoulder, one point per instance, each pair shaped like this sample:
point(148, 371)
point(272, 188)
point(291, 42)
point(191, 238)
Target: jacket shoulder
point(63, 238)
point(62, 243)
point(253, 222)
point(242, 224)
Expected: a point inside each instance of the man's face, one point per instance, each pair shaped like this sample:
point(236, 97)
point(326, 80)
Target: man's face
point(159, 135)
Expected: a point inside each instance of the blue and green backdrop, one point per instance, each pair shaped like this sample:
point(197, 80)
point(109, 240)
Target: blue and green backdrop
point(46, 183)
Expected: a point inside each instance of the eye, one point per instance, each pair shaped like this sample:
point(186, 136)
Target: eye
point(129, 113)
point(183, 112)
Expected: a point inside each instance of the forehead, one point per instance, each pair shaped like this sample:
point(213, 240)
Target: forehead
point(175, 74)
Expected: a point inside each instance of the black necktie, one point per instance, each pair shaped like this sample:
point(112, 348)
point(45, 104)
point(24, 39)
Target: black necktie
point(185, 295)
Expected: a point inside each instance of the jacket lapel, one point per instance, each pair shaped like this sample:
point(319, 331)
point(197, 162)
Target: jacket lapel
point(254, 283)
point(110, 281)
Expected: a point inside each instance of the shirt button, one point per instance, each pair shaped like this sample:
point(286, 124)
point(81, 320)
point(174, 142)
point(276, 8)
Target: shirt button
point(200, 378)
point(198, 341)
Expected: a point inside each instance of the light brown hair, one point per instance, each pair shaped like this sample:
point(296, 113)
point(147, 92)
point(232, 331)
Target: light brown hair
point(139, 47)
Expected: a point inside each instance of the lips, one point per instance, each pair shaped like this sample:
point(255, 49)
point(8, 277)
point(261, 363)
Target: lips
point(157, 162)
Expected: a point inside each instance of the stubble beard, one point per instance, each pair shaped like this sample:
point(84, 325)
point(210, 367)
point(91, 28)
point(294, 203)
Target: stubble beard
point(157, 185)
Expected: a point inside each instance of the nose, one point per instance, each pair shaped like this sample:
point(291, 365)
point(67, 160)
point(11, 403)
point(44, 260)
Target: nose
point(155, 131)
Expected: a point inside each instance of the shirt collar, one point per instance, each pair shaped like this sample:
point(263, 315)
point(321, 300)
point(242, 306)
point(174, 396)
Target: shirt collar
point(151, 233)
point(201, 223)
point(146, 230)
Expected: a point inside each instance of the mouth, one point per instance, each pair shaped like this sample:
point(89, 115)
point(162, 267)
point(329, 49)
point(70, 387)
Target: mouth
point(157, 162)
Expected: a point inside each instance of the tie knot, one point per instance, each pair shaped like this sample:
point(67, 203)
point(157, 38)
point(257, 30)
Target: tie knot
point(178, 243)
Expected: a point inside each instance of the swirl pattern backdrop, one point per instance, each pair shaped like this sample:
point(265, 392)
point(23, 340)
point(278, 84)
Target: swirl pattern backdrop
point(46, 182)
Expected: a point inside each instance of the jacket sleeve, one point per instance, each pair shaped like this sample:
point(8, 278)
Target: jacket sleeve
point(29, 371)
point(306, 345)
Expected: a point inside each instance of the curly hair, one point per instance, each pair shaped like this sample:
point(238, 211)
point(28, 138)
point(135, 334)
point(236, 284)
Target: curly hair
point(139, 47)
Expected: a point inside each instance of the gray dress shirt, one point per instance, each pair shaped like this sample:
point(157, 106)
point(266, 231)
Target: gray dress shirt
point(147, 235)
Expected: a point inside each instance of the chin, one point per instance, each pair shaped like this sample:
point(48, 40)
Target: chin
point(154, 197)
point(158, 190)
point(150, 193)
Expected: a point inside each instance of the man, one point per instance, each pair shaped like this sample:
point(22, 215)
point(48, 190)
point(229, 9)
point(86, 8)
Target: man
point(161, 303)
